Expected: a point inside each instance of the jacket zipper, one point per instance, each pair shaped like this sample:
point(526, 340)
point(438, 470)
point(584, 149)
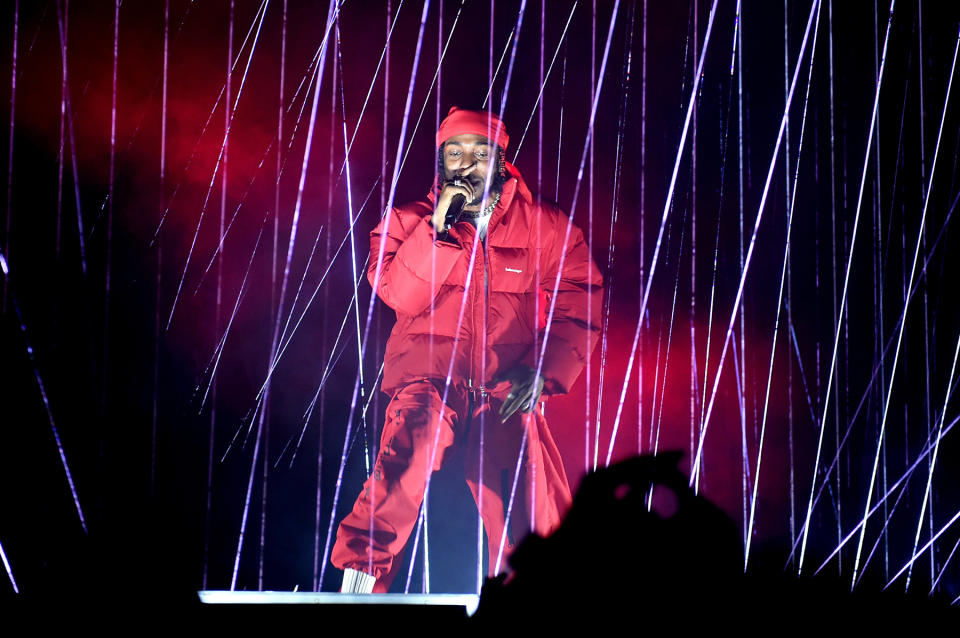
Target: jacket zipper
point(476, 365)
point(486, 316)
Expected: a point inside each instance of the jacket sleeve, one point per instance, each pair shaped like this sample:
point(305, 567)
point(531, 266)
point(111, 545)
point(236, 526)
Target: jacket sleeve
point(414, 264)
point(573, 332)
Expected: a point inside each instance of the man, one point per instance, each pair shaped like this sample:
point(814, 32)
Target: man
point(472, 292)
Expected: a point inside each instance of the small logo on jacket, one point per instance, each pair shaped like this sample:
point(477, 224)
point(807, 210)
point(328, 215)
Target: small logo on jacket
point(509, 269)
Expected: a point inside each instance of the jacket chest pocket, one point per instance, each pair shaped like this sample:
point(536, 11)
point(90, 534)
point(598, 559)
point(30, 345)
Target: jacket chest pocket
point(511, 269)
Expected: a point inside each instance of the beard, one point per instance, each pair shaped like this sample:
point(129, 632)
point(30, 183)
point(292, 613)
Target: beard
point(476, 182)
point(478, 187)
point(497, 179)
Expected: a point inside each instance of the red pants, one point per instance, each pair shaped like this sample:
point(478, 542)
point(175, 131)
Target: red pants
point(417, 434)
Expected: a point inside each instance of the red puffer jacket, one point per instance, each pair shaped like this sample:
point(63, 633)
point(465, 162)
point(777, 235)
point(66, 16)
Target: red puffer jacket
point(508, 288)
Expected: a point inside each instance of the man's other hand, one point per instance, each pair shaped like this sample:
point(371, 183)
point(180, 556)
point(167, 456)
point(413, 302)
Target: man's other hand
point(525, 389)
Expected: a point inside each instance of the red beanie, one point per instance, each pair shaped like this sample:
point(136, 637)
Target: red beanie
point(460, 121)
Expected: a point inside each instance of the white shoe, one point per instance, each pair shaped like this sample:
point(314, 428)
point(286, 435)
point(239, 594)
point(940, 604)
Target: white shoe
point(356, 582)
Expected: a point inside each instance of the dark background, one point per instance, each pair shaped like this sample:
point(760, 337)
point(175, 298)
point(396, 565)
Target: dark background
point(125, 390)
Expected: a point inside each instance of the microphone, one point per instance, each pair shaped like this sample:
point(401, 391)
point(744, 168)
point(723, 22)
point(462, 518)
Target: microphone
point(455, 210)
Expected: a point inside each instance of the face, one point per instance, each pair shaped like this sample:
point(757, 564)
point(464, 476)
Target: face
point(469, 157)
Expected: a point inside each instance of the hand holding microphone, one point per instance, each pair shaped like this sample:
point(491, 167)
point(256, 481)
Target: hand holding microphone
point(456, 193)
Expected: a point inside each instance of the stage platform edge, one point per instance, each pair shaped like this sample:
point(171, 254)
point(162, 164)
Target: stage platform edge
point(226, 597)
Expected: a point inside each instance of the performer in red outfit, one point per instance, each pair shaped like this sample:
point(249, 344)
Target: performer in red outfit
point(472, 293)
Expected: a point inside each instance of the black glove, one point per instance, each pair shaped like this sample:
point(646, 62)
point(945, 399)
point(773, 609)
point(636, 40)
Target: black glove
point(525, 389)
